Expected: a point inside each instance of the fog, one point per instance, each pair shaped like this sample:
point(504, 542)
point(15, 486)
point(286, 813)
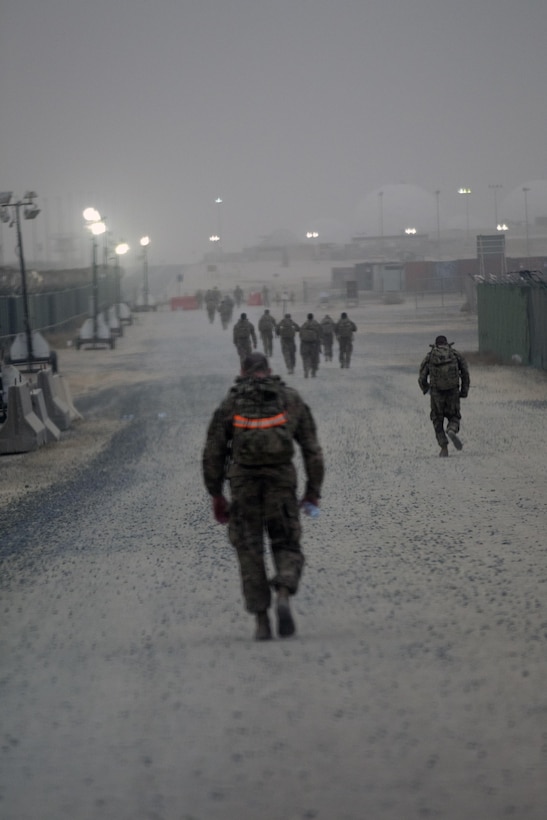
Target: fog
point(293, 113)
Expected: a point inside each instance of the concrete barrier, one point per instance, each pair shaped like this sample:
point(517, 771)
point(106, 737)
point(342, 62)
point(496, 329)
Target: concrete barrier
point(23, 430)
point(39, 406)
point(57, 409)
point(62, 391)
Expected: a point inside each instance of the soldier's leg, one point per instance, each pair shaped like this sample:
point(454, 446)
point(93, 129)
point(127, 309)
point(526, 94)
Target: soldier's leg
point(349, 351)
point(284, 530)
point(437, 417)
point(246, 533)
point(452, 413)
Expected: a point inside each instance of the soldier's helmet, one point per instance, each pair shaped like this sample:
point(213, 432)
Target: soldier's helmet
point(243, 316)
point(287, 316)
point(441, 340)
point(343, 315)
point(310, 316)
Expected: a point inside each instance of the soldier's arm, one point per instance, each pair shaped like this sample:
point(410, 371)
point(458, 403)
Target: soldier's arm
point(312, 454)
point(424, 374)
point(464, 375)
point(216, 451)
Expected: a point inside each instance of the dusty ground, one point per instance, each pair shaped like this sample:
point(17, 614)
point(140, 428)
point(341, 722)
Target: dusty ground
point(131, 688)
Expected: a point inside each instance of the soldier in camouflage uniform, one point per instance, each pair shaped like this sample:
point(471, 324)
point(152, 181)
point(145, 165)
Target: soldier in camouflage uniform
point(310, 345)
point(266, 327)
point(287, 330)
point(250, 443)
point(445, 375)
point(327, 329)
point(344, 330)
point(243, 334)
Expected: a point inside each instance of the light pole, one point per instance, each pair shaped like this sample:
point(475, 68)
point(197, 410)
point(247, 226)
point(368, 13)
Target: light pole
point(381, 218)
point(495, 188)
point(466, 192)
point(525, 192)
point(144, 242)
point(94, 330)
point(437, 195)
point(120, 250)
point(218, 202)
point(315, 236)
point(29, 347)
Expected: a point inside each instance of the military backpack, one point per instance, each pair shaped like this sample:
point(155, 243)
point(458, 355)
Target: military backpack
point(261, 435)
point(444, 372)
point(345, 329)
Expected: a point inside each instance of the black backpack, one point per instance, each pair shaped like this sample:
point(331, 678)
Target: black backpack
point(261, 435)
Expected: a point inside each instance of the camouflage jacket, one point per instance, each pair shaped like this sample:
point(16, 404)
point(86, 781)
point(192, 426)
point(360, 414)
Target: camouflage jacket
point(217, 464)
point(287, 329)
point(243, 329)
point(327, 326)
point(424, 376)
point(267, 323)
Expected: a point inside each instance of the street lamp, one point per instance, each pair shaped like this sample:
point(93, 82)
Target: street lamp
point(120, 250)
point(94, 330)
point(218, 202)
point(501, 226)
point(437, 195)
point(466, 192)
point(144, 242)
point(525, 192)
point(315, 236)
point(28, 348)
point(410, 231)
point(495, 189)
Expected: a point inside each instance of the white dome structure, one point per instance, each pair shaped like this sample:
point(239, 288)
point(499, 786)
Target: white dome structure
point(391, 209)
point(512, 207)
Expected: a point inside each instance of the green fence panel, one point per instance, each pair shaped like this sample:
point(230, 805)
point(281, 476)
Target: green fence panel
point(503, 321)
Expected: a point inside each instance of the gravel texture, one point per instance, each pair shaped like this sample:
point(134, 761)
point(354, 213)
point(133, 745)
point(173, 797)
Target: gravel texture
point(131, 688)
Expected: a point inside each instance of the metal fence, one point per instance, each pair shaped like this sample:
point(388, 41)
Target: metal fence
point(53, 310)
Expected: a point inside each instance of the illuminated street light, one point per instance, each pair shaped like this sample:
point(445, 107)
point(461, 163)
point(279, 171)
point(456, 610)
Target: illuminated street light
point(501, 226)
point(94, 331)
point(466, 191)
point(144, 242)
point(410, 231)
point(29, 348)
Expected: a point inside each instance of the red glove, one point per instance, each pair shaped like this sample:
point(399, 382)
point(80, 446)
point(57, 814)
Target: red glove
point(221, 509)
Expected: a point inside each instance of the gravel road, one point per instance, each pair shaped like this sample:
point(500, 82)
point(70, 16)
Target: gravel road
point(130, 685)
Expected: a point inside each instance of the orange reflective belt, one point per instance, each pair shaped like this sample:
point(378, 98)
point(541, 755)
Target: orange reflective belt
point(260, 424)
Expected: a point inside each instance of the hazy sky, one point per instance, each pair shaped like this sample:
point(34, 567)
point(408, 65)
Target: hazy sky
point(292, 111)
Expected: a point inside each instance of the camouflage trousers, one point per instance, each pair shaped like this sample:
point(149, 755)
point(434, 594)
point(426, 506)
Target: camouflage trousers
point(288, 349)
point(327, 346)
point(345, 349)
point(267, 343)
point(310, 357)
point(445, 404)
point(258, 506)
point(244, 348)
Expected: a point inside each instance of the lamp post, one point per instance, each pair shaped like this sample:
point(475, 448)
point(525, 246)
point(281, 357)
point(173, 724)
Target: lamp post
point(466, 192)
point(144, 242)
point(495, 188)
point(218, 202)
point(437, 195)
point(527, 237)
point(381, 218)
point(120, 250)
point(315, 236)
point(28, 348)
point(94, 330)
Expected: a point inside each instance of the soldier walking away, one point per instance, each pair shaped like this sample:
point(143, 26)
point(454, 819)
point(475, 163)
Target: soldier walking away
point(212, 298)
point(250, 444)
point(243, 335)
point(238, 295)
point(226, 309)
point(310, 345)
point(445, 375)
point(266, 328)
point(344, 330)
point(327, 329)
point(287, 330)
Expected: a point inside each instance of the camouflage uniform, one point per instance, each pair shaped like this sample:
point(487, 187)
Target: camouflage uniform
point(327, 328)
point(225, 309)
point(286, 330)
point(344, 330)
point(243, 333)
point(310, 345)
point(266, 327)
point(445, 401)
point(263, 496)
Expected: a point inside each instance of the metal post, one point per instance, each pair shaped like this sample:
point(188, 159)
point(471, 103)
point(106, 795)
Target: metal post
point(28, 331)
point(95, 297)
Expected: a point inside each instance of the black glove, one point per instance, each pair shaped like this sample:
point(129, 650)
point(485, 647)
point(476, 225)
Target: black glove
point(425, 390)
point(221, 509)
point(463, 394)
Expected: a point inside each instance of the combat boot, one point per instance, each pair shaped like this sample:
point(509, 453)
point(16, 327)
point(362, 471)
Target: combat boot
point(455, 439)
point(263, 629)
point(285, 622)
point(444, 451)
